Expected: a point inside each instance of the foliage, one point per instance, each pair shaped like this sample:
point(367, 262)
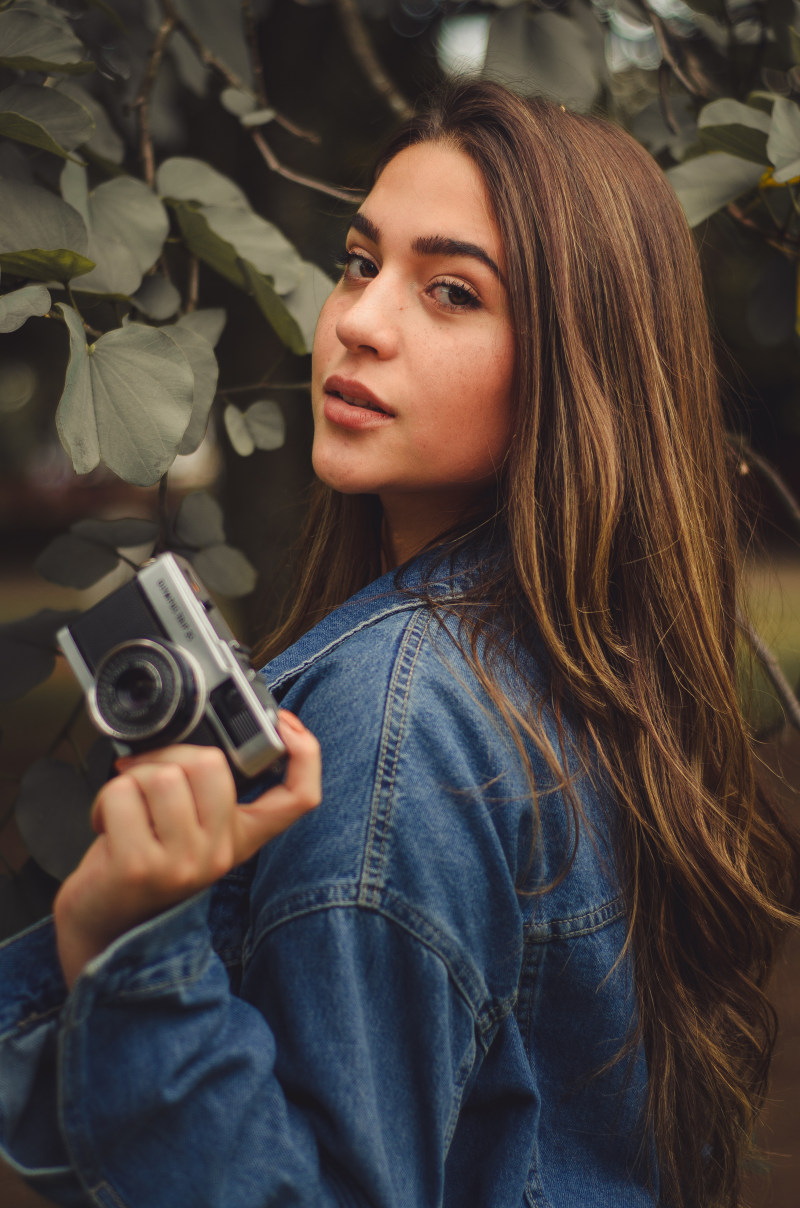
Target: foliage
point(125, 247)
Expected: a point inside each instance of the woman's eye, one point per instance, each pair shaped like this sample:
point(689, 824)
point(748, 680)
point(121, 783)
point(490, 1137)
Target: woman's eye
point(453, 295)
point(357, 267)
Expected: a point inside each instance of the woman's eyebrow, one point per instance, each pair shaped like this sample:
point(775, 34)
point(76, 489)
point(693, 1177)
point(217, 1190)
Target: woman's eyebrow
point(429, 245)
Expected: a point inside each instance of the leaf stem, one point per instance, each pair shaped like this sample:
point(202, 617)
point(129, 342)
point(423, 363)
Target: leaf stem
point(164, 525)
point(193, 283)
point(92, 331)
point(773, 672)
point(264, 384)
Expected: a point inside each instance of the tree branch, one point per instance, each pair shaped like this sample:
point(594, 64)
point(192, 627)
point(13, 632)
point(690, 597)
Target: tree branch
point(359, 41)
point(142, 102)
point(766, 658)
point(272, 161)
point(754, 460)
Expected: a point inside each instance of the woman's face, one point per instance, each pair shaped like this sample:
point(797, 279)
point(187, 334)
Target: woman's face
point(413, 354)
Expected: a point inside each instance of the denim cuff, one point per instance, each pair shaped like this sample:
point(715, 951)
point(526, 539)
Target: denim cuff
point(167, 951)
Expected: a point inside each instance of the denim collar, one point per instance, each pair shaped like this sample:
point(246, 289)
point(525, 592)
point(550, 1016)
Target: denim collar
point(441, 574)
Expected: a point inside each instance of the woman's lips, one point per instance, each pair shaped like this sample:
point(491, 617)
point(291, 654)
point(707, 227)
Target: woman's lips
point(351, 405)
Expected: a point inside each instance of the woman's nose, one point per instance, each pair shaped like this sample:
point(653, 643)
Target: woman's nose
point(370, 322)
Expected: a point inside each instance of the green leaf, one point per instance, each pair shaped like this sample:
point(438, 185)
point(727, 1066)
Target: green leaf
point(306, 300)
point(741, 141)
point(258, 241)
point(741, 130)
point(710, 8)
point(274, 310)
point(238, 102)
point(52, 812)
point(266, 424)
point(44, 118)
point(220, 255)
point(262, 426)
point(40, 235)
point(184, 179)
point(55, 264)
point(127, 400)
point(208, 247)
point(783, 146)
point(116, 534)
point(208, 322)
point(225, 570)
point(104, 141)
point(218, 23)
point(708, 182)
point(33, 42)
point(200, 355)
point(236, 427)
point(199, 521)
point(127, 226)
point(21, 305)
point(74, 562)
point(555, 54)
point(28, 651)
point(157, 298)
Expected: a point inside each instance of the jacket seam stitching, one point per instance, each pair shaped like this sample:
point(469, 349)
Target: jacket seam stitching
point(401, 606)
point(486, 1017)
point(391, 741)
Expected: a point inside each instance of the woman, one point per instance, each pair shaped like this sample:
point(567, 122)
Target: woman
point(517, 954)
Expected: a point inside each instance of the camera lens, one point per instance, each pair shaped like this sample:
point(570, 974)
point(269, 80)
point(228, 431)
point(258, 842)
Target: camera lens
point(138, 689)
point(146, 693)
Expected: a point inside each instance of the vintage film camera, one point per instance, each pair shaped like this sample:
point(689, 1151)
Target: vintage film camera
point(159, 665)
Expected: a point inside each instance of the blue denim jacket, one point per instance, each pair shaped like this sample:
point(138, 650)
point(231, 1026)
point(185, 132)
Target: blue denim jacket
point(377, 1011)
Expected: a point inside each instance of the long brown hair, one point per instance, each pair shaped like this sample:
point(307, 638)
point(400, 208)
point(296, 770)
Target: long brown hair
point(619, 530)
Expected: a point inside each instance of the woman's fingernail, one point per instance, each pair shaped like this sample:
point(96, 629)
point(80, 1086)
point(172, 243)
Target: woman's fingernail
point(289, 719)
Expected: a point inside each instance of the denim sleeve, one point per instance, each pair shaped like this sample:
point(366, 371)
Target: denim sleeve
point(170, 1090)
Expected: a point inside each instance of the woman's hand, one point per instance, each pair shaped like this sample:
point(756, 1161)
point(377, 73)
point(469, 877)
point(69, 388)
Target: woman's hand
point(168, 826)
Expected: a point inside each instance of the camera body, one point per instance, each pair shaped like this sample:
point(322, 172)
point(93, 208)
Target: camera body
point(159, 664)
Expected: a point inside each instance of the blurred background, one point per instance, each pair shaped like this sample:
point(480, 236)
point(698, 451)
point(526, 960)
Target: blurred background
point(319, 85)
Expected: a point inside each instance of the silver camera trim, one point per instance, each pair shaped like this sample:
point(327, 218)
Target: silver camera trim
point(200, 704)
point(192, 622)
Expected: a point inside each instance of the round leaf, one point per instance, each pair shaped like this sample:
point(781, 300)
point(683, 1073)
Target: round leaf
point(23, 304)
point(783, 146)
point(43, 117)
point(206, 245)
point(274, 309)
point(238, 433)
point(709, 182)
point(548, 53)
point(266, 424)
point(219, 25)
point(208, 323)
point(305, 301)
point(116, 534)
point(205, 370)
point(127, 228)
point(33, 42)
point(238, 102)
point(34, 218)
point(225, 570)
point(52, 812)
point(104, 140)
point(28, 651)
point(199, 521)
point(186, 179)
point(74, 562)
point(126, 400)
point(157, 298)
point(258, 242)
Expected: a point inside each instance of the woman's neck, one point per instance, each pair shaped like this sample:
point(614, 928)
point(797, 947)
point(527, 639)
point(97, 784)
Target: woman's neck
point(412, 521)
